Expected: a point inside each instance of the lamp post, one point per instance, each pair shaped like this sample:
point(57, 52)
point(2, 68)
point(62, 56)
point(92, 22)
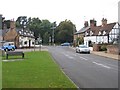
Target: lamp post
point(53, 36)
point(40, 42)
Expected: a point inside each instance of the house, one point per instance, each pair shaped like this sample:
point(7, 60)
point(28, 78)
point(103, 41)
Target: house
point(105, 33)
point(21, 37)
point(79, 35)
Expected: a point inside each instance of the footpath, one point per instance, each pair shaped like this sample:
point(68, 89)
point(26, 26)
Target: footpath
point(108, 55)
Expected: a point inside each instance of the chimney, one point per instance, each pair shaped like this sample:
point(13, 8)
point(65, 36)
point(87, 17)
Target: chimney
point(104, 21)
point(86, 24)
point(12, 24)
point(92, 23)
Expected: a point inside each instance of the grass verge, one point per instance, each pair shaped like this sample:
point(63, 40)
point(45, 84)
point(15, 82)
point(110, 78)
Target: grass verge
point(37, 70)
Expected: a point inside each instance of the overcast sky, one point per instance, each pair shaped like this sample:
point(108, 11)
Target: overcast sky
point(77, 11)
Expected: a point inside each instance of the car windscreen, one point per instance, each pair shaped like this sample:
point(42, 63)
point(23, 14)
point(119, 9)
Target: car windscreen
point(83, 46)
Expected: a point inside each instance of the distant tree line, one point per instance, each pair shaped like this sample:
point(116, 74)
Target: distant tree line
point(44, 29)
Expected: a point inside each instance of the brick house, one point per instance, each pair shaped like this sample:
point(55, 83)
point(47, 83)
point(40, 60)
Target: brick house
point(21, 38)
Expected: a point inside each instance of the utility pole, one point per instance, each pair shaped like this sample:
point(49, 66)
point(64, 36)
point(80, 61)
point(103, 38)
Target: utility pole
point(0, 22)
point(1, 53)
point(53, 34)
point(119, 28)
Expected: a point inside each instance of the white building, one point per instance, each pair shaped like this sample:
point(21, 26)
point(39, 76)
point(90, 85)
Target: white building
point(105, 33)
point(26, 38)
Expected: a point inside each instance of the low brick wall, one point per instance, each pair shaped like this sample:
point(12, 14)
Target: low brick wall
point(96, 47)
point(113, 49)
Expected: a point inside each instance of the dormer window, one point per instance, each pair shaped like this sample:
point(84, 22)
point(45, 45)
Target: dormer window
point(20, 32)
point(104, 32)
point(99, 33)
point(91, 33)
point(25, 33)
point(86, 33)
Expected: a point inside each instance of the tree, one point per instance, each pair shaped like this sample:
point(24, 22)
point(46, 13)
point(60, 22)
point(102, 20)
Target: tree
point(40, 27)
point(34, 24)
point(6, 23)
point(21, 22)
point(64, 32)
point(79, 40)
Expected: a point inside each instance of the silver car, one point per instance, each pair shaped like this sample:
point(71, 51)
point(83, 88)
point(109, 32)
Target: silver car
point(82, 49)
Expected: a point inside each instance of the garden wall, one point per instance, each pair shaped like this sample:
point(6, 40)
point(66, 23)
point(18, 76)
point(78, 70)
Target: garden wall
point(114, 49)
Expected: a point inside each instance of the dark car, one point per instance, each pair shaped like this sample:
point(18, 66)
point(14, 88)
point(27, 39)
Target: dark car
point(65, 44)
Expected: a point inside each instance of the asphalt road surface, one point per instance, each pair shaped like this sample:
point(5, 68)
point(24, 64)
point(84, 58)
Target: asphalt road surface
point(86, 70)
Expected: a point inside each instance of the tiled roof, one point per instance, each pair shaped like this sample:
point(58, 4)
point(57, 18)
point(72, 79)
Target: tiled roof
point(82, 30)
point(106, 28)
point(26, 33)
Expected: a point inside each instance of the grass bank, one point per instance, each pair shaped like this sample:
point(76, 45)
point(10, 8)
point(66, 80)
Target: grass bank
point(37, 70)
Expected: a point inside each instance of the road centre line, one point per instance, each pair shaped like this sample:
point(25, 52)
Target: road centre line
point(101, 65)
point(83, 58)
point(69, 56)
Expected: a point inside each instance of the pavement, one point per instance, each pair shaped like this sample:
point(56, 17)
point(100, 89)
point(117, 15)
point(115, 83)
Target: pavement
point(108, 55)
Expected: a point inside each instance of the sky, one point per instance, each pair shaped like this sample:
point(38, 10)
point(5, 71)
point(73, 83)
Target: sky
point(77, 11)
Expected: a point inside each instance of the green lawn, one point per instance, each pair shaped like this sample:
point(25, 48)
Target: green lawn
point(37, 70)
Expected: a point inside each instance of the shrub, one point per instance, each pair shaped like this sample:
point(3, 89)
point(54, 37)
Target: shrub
point(103, 48)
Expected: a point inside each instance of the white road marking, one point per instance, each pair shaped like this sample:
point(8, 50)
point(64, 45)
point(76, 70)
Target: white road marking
point(83, 58)
point(101, 65)
point(69, 56)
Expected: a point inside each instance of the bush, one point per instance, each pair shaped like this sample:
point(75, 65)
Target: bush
point(103, 48)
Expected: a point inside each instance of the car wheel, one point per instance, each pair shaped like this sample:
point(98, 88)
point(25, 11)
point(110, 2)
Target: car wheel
point(76, 51)
point(6, 49)
point(13, 49)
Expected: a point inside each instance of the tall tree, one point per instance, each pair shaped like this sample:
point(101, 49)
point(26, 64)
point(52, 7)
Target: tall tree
point(34, 24)
point(64, 32)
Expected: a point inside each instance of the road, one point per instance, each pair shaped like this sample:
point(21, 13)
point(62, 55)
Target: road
point(86, 70)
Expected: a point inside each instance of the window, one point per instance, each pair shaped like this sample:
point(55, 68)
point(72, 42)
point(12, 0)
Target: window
point(99, 33)
point(25, 33)
point(25, 42)
point(32, 42)
point(20, 32)
point(86, 33)
point(104, 32)
point(91, 33)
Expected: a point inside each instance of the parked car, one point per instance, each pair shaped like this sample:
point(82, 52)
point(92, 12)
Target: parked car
point(82, 49)
point(65, 44)
point(8, 46)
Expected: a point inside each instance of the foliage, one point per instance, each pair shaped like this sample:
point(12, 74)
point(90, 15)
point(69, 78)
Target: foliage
point(34, 25)
point(21, 22)
point(79, 40)
point(64, 32)
point(103, 47)
point(45, 29)
point(7, 23)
